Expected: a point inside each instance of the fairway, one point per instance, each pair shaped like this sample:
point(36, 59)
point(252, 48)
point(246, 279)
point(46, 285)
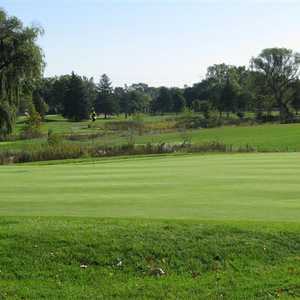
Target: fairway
point(247, 187)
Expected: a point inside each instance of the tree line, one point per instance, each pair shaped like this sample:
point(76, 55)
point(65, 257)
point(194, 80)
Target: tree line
point(270, 83)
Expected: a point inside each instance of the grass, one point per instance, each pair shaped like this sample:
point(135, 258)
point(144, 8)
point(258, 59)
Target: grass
point(204, 187)
point(70, 258)
point(61, 125)
point(267, 137)
point(218, 226)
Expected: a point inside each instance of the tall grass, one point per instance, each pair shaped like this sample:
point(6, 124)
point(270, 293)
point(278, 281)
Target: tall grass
point(57, 151)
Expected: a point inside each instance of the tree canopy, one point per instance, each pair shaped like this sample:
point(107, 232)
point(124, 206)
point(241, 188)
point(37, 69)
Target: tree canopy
point(21, 65)
point(280, 67)
point(106, 103)
point(76, 100)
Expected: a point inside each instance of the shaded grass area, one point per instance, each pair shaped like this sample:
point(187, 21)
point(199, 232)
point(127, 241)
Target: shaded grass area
point(77, 258)
point(212, 187)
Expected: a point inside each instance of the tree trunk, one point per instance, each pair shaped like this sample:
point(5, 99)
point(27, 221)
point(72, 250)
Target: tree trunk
point(283, 112)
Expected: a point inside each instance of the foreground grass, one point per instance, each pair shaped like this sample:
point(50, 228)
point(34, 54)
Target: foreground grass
point(212, 187)
point(77, 258)
point(238, 237)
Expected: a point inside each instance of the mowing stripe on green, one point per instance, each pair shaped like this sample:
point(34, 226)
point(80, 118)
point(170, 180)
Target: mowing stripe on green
point(246, 187)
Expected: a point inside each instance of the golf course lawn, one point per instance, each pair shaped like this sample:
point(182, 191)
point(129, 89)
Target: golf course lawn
point(218, 226)
point(247, 187)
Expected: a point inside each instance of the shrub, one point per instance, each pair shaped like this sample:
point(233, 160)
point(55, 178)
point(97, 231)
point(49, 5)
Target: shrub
point(133, 125)
point(198, 121)
point(139, 123)
point(32, 127)
point(186, 137)
point(82, 137)
point(53, 138)
point(72, 151)
point(130, 139)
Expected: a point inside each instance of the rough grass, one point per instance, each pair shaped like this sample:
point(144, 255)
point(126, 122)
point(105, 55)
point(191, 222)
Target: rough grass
point(268, 137)
point(61, 258)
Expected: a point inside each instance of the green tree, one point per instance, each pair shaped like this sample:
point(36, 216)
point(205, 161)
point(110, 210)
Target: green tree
point(58, 93)
point(224, 86)
point(205, 108)
point(39, 103)
point(76, 102)
point(296, 96)
point(196, 105)
point(228, 97)
point(21, 64)
point(163, 102)
point(32, 126)
point(91, 90)
point(122, 95)
point(280, 67)
point(141, 97)
point(178, 101)
point(106, 102)
point(6, 118)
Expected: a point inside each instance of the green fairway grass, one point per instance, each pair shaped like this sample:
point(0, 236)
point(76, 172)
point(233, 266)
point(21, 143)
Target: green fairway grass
point(219, 226)
point(261, 187)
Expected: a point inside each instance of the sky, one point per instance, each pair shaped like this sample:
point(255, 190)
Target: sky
point(158, 42)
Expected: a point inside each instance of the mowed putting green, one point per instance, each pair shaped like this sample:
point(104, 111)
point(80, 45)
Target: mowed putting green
point(248, 187)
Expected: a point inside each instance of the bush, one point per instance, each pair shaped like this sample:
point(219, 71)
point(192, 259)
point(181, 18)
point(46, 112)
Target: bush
point(53, 138)
point(130, 139)
point(32, 127)
point(199, 121)
point(83, 137)
point(137, 125)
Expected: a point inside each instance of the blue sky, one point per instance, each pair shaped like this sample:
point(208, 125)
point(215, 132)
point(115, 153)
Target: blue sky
point(159, 42)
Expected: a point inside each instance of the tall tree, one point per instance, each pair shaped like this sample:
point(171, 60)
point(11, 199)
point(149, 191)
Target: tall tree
point(6, 118)
point(178, 101)
point(91, 90)
point(226, 88)
point(280, 67)
point(122, 94)
point(163, 102)
point(141, 96)
point(21, 64)
point(229, 94)
point(106, 103)
point(40, 105)
point(296, 96)
point(220, 77)
point(76, 103)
